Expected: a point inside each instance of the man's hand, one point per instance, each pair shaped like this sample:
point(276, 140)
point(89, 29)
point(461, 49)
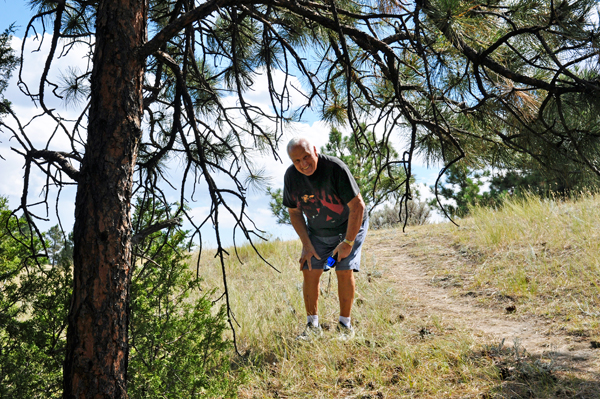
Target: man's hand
point(307, 253)
point(357, 209)
point(342, 250)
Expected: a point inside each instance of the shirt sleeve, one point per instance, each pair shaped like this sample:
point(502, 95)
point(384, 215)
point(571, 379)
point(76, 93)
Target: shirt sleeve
point(288, 201)
point(346, 184)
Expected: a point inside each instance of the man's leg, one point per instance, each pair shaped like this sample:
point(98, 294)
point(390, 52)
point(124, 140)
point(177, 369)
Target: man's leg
point(310, 289)
point(346, 286)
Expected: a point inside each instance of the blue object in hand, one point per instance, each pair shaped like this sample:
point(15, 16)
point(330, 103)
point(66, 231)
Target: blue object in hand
point(330, 263)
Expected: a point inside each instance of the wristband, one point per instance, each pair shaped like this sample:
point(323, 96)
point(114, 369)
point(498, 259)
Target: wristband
point(351, 243)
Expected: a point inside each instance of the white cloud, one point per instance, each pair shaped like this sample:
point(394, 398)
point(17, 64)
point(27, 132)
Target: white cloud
point(11, 179)
point(199, 213)
point(34, 60)
point(259, 93)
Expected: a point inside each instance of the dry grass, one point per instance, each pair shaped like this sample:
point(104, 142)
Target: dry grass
point(391, 356)
point(544, 254)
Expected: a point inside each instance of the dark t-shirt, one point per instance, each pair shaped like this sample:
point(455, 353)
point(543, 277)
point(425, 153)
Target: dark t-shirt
point(322, 196)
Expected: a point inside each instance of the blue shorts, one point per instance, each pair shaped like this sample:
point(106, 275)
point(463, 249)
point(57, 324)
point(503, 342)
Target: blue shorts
point(325, 246)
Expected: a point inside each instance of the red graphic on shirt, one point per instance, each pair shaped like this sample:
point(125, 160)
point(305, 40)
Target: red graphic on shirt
point(328, 208)
point(332, 202)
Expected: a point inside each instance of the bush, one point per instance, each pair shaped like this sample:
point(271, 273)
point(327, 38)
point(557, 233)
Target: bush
point(418, 214)
point(34, 299)
point(177, 348)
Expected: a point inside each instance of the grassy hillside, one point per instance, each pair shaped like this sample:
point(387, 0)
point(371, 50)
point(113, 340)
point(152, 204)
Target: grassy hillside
point(542, 255)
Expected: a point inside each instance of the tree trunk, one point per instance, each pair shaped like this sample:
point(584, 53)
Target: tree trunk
point(97, 347)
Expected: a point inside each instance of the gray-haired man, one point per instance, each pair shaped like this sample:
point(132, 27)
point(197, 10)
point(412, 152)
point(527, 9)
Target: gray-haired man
point(328, 214)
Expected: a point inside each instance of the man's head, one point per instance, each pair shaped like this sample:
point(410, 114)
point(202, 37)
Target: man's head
point(304, 155)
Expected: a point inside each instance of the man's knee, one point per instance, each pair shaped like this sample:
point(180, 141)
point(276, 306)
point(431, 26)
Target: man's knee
point(312, 276)
point(345, 275)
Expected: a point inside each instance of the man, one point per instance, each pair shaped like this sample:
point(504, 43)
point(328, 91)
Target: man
point(321, 189)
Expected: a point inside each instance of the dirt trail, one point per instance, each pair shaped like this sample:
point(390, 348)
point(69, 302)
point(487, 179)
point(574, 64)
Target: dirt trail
point(426, 299)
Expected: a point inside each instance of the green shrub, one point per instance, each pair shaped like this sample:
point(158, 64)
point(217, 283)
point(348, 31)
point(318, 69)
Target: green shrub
point(34, 299)
point(177, 349)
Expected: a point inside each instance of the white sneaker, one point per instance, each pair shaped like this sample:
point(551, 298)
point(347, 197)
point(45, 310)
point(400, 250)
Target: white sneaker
point(310, 332)
point(346, 332)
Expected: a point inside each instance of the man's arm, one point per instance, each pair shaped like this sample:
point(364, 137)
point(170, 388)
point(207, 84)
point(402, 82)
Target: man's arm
point(299, 224)
point(357, 210)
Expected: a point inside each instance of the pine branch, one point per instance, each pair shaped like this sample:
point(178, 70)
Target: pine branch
point(136, 239)
point(59, 158)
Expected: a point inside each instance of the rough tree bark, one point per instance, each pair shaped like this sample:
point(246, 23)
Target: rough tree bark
point(96, 361)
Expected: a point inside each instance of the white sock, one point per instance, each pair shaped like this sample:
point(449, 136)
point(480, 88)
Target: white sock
point(313, 319)
point(345, 321)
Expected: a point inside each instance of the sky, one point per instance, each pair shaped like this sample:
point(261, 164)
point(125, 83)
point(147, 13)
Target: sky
point(11, 176)
point(14, 11)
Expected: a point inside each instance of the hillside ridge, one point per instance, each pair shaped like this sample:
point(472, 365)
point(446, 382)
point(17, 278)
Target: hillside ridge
point(431, 296)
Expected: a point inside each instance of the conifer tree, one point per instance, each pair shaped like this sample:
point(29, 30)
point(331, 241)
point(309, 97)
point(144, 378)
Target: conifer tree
point(8, 62)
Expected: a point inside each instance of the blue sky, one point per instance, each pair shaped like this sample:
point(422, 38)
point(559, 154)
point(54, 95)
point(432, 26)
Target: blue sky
point(14, 11)
point(11, 178)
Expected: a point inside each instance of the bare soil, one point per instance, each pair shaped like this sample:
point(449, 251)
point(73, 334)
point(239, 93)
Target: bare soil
point(428, 294)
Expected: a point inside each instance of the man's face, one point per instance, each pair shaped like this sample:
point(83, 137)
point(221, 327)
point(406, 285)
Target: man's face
point(304, 159)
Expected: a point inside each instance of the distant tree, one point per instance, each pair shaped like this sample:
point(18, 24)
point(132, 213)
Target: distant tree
point(277, 208)
point(461, 189)
point(367, 158)
point(65, 256)
point(518, 182)
point(462, 186)
point(8, 62)
point(388, 216)
point(55, 244)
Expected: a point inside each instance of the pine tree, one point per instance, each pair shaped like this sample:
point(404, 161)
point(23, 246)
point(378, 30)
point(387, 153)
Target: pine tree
point(8, 62)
